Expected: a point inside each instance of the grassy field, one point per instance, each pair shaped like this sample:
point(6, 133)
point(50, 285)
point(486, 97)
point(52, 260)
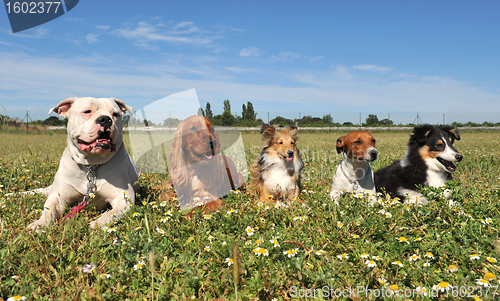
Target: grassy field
point(351, 251)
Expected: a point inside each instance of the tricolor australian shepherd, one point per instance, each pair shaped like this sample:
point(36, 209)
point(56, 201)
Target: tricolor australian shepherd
point(428, 162)
point(278, 171)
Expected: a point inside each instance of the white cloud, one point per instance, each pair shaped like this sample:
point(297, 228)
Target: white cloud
point(145, 32)
point(102, 27)
point(372, 68)
point(314, 59)
point(250, 51)
point(91, 38)
point(285, 56)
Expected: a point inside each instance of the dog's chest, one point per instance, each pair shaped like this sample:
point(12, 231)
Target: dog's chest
point(277, 175)
point(436, 178)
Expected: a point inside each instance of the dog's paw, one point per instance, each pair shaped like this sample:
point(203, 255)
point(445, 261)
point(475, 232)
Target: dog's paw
point(36, 226)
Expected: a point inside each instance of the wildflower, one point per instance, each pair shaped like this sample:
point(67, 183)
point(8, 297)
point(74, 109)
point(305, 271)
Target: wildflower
point(488, 220)
point(370, 263)
point(489, 276)
point(355, 235)
point(452, 268)
point(302, 218)
point(381, 211)
point(16, 298)
point(320, 252)
point(429, 255)
point(422, 291)
point(88, 268)
point(414, 257)
point(394, 287)
point(250, 231)
point(248, 242)
point(491, 259)
point(138, 228)
point(310, 266)
point(229, 261)
point(274, 241)
point(475, 256)
point(388, 215)
point(364, 255)
point(339, 224)
point(397, 262)
point(207, 248)
point(224, 243)
point(343, 256)
point(476, 298)
point(291, 253)
point(403, 239)
point(232, 211)
point(104, 275)
point(418, 239)
point(135, 214)
point(260, 251)
point(377, 258)
point(139, 265)
point(165, 219)
point(442, 286)
point(381, 280)
point(210, 238)
point(427, 264)
point(259, 241)
point(163, 233)
point(112, 229)
point(260, 204)
point(483, 282)
point(207, 216)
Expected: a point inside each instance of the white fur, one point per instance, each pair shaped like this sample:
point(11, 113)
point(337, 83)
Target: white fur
point(364, 178)
point(276, 177)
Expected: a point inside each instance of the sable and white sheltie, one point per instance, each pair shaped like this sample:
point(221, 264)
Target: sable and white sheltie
point(278, 171)
point(428, 162)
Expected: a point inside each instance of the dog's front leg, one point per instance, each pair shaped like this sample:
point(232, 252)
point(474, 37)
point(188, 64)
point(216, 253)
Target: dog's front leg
point(53, 209)
point(119, 206)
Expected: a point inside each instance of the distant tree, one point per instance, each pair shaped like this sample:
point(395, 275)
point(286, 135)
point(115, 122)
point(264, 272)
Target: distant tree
point(171, 122)
point(282, 121)
point(227, 105)
point(327, 119)
point(208, 112)
point(250, 114)
point(347, 123)
point(227, 118)
point(53, 121)
point(201, 112)
point(386, 122)
point(126, 119)
point(243, 112)
point(372, 120)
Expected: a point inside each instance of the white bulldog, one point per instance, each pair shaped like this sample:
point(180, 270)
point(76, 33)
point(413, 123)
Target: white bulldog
point(94, 140)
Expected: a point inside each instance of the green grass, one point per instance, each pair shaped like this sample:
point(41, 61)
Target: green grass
point(178, 265)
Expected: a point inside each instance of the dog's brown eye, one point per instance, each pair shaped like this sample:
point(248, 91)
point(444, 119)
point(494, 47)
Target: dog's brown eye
point(373, 141)
point(291, 142)
point(281, 142)
point(357, 142)
point(115, 114)
point(87, 112)
point(193, 129)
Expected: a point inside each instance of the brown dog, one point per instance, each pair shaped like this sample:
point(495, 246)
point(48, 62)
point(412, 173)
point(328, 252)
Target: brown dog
point(201, 175)
point(354, 172)
point(278, 171)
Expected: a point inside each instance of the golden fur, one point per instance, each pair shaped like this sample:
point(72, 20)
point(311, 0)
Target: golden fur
point(278, 170)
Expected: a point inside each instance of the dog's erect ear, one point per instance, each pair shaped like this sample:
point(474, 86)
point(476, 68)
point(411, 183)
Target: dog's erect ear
point(123, 107)
point(293, 131)
point(340, 144)
point(452, 130)
point(421, 132)
point(268, 132)
point(63, 107)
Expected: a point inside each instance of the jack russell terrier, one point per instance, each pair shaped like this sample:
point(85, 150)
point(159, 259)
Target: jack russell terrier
point(354, 172)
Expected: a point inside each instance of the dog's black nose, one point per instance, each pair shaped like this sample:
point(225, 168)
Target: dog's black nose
point(373, 155)
point(212, 143)
point(105, 121)
point(459, 157)
point(289, 154)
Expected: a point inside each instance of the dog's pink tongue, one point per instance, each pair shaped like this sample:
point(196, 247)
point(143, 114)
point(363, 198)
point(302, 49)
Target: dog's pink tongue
point(208, 156)
point(85, 146)
point(289, 159)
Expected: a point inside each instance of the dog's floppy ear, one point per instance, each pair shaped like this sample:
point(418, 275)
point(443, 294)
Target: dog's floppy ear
point(123, 107)
point(177, 165)
point(421, 132)
point(63, 107)
point(293, 131)
point(268, 132)
point(452, 130)
point(340, 144)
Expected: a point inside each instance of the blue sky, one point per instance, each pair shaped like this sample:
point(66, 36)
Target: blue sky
point(289, 58)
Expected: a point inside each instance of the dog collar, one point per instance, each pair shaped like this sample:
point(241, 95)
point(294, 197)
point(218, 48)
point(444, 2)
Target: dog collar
point(354, 183)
